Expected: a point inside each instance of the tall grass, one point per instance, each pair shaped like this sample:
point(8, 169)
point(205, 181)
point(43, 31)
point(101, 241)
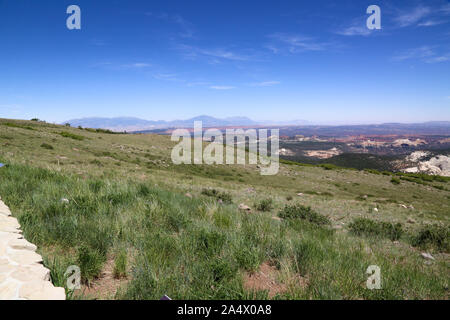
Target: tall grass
point(193, 248)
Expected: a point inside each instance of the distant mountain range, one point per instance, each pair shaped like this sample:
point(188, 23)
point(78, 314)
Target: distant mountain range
point(131, 124)
point(135, 124)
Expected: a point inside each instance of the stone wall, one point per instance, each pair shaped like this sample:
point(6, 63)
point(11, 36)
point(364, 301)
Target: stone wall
point(22, 274)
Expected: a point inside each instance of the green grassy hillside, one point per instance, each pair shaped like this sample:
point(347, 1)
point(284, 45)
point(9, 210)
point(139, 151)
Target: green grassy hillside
point(130, 211)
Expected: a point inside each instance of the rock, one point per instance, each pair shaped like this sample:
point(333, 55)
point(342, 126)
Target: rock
point(300, 194)
point(276, 218)
point(29, 273)
point(8, 290)
point(411, 207)
point(64, 200)
point(375, 209)
point(22, 276)
point(41, 290)
point(244, 207)
point(426, 255)
point(22, 244)
point(6, 222)
point(24, 257)
point(403, 206)
point(188, 195)
point(411, 220)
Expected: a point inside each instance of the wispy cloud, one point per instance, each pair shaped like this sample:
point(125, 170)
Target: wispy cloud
point(294, 43)
point(355, 31)
point(426, 54)
point(437, 59)
point(430, 23)
point(168, 77)
point(122, 66)
point(265, 84)
point(412, 17)
point(187, 28)
point(357, 27)
point(445, 9)
point(137, 65)
point(415, 53)
point(222, 87)
point(215, 55)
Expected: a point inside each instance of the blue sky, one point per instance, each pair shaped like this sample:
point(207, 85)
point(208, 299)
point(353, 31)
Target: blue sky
point(268, 60)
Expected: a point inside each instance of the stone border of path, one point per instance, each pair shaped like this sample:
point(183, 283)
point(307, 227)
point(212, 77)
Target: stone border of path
point(22, 274)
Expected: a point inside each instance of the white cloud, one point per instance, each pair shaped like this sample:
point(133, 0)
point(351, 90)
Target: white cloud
point(438, 59)
point(265, 84)
point(187, 30)
point(412, 17)
point(215, 55)
point(430, 23)
point(221, 87)
point(294, 43)
point(425, 53)
point(415, 53)
point(355, 30)
point(138, 65)
point(446, 9)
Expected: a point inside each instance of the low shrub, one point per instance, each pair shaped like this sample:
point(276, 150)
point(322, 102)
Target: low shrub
point(395, 181)
point(47, 146)
point(90, 262)
point(223, 196)
point(66, 134)
point(433, 236)
point(265, 205)
point(368, 227)
point(120, 265)
point(298, 211)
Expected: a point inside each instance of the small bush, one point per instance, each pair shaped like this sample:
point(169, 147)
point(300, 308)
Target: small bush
point(373, 171)
point(265, 205)
point(364, 226)
point(299, 211)
point(395, 181)
point(66, 134)
point(90, 262)
point(433, 236)
point(14, 125)
point(225, 197)
point(47, 146)
point(120, 265)
point(248, 258)
point(329, 166)
point(289, 198)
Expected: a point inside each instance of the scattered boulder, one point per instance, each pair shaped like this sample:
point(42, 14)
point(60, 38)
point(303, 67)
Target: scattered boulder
point(375, 209)
point(403, 206)
point(411, 220)
point(244, 207)
point(188, 195)
point(64, 200)
point(300, 194)
point(427, 256)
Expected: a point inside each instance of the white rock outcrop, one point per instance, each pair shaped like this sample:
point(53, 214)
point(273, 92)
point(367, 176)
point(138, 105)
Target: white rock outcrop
point(22, 274)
